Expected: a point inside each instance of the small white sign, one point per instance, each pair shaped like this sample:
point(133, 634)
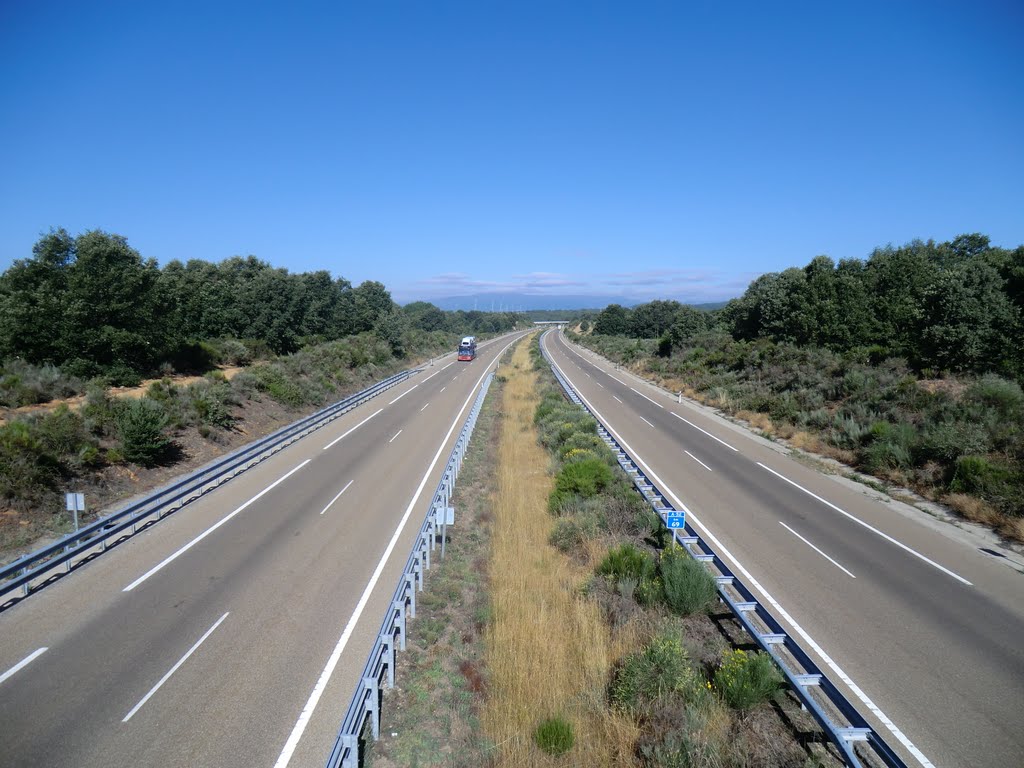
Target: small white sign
point(444, 515)
point(75, 502)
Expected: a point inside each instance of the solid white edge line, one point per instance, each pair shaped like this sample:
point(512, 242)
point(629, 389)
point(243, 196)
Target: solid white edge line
point(321, 684)
point(357, 426)
point(870, 527)
point(174, 669)
point(645, 397)
point(410, 389)
point(393, 438)
point(709, 469)
point(211, 529)
point(645, 421)
point(337, 497)
point(721, 549)
point(805, 541)
point(23, 663)
point(616, 398)
point(705, 432)
point(618, 380)
point(424, 408)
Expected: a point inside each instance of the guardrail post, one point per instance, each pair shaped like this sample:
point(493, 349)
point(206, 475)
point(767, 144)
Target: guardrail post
point(399, 607)
point(388, 644)
point(410, 582)
point(373, 705)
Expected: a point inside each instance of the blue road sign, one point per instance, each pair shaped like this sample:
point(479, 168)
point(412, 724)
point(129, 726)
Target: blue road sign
point(675, 520)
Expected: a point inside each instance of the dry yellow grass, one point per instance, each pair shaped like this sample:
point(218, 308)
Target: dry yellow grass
point(757, 420)
point(548, 650)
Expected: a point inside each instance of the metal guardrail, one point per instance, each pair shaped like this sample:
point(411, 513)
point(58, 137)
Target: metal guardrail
point(380, 665)
point(841, 721)
point(83, 542)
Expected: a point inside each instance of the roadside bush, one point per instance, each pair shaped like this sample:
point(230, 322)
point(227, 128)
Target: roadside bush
point(209, 402)
point(122, 375)
point(570, 533)
point(61, 432)
point(746, 679)
point(688, 585)
point(661, 668)
point(585, 478)
point(588, 441)
point(26, 468)
point(22, 383)
point(554, 736)
point(626, 560)
point(993, 482)
point(140, 424)
point(273, 380)
point(1004, 395)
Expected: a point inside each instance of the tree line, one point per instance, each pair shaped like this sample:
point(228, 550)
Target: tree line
point(94, 305)
point(956, 306)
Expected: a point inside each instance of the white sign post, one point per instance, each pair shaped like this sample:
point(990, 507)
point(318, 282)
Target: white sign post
point(75, 503)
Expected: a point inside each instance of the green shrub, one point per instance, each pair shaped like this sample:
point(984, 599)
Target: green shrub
point(588, 441)
point(661, 668)
point(62, 431)
point(122, 375)
point(882, 455)
point(584, 478)
point(194, 356)
point(688, 585)
point(208, 402)
point(746, 679)
point(570, 533)
point(627, 560)
point(26, 468)
point(283, 388)
point(140, 424)
point(1003, 395)
point(554, 736)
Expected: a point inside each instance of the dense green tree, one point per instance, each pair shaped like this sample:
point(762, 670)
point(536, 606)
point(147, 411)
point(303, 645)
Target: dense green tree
point(968, 321)
point(653, 319)
point(32, 296)
point(425, 316)
point(613, 320)
point(687, 323)
point(372, 302)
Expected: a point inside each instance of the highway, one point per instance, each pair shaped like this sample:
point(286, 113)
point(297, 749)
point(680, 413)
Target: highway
point(922, 630)
point(233, 632)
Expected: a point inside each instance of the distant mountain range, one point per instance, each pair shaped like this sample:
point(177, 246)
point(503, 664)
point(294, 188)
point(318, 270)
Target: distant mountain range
point(524, 302)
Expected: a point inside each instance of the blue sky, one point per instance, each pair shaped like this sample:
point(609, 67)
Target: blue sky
point(632, 149)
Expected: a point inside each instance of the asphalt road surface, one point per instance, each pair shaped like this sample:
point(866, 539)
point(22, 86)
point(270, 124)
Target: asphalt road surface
point(233, 632)
point(921, 629)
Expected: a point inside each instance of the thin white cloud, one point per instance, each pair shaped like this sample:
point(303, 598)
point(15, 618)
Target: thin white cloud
point(694, 285)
